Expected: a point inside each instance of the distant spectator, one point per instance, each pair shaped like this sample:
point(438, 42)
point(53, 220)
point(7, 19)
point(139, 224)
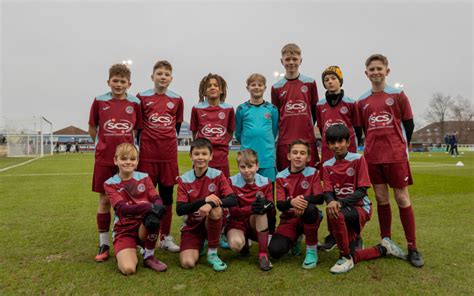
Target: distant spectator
point(454, 144)
point(57, 148)
point(446, 141)
point(4, 140)
point(77, 147)
point(68, 147)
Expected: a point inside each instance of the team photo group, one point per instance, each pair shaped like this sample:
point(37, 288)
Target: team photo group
point(281, 173)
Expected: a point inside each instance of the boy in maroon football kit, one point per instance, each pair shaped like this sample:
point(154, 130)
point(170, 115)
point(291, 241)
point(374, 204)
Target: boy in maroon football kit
point(295, 97)
point(138, 211)
point(248, 220)
point(162, 112)
point(335, 108)
point(114, 118)
point(214, 120)
point(387, 120)
point(346, 181)
point(298, 191)
point(202, 193)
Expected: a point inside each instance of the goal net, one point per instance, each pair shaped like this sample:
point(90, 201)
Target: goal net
point(28, 137)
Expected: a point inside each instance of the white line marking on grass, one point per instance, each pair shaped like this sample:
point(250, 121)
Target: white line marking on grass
point(50, 174)
point(20, 164)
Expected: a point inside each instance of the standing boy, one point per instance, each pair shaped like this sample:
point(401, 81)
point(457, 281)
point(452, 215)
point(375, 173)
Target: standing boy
point(298, 191)
point(162, 117)
point(114, 118)
point(335, 108)
point(346, 181)
point(256, 128)
point(295, 97)
point(202, 193)
point(387, 120)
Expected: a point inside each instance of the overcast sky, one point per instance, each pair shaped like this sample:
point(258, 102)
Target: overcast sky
point(55, 55)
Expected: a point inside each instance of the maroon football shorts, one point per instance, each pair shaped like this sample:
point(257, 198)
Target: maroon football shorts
point(397, 175)
point(101, 174)
point(165, 173)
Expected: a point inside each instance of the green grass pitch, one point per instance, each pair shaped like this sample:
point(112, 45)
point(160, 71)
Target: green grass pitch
point(48, 240)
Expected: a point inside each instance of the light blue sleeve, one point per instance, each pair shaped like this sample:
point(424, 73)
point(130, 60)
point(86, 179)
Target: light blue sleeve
point(238, 124)
point(275, 122)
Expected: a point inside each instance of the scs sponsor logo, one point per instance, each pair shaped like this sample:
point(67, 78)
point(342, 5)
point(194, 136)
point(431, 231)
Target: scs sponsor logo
point(216, 130)
point(160, 120)
point(330, 123)
point(347, 189)
point(122, 126)
point(383, 118)
point(295, 107)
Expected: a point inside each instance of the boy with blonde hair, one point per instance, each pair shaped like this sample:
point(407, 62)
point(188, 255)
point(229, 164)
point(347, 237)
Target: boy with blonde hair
point(138, 211)
point(295, 96)
point(114, 119)
point(387, 120)
point(162, 112)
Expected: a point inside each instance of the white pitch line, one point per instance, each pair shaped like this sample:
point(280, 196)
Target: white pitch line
point(50, 174)
point(17, 165)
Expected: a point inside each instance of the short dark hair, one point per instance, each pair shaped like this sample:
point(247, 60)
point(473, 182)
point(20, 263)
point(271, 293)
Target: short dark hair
point(337, 132)
point(299, 142)
point(201, 143)
point(163, 64)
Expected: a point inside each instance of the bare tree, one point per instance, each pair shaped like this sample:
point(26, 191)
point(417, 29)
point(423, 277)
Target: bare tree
point(462, 109)
point(438, 110)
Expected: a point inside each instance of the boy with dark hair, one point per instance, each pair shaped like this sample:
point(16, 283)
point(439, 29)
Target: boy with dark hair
point(295, 96)
point(202, 193)
point(346, 181)
point(162, 112)
point(138, 210)
point(335, 108)
point(298, 192)
point(114, 119)
point(214, 119)
point(387, 120)
point(248, 220)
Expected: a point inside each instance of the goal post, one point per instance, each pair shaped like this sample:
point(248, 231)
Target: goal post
point(29, 137)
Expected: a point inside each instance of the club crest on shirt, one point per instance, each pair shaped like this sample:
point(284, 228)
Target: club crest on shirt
point(221, 115)
point(389, 101)
point(259, 194)
point(170, 105)
point(141, 187)
point(129, 109)
point(350, 172)
point(344, 110)
point(304, 89)
point(267, 115)
point(305, 184)
point(211, 187)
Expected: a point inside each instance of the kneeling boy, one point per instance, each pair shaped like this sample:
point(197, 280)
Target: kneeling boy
point(138, 210)
point(298, 192)
point(202, 193)
point(346, 181)
point(248, 220)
